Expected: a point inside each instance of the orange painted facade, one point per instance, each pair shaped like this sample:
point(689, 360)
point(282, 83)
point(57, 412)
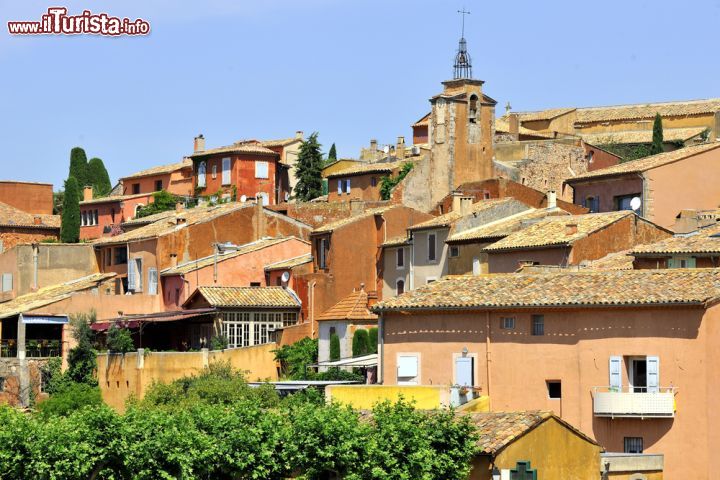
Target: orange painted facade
point(363, 187)
point(110, 212)
point(178, 182)
point(28, 197)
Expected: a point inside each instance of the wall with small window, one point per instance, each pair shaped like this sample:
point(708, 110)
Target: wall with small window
point(240, 175)
point(363, 187)
point(396, 270)
point(430, 255)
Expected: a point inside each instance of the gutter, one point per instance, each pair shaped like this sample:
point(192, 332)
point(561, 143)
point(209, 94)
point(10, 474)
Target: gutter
point(482, 308)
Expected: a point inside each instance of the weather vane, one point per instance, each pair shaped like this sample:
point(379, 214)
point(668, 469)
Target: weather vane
point(463, 12)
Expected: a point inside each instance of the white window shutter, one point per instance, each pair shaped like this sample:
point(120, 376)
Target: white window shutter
point(7, 282)
point(347, 186)
point(131, 274)
point(340, 185)
point(407, 366)
point(201, 175)
point(226, 171)
point(616, 373)
point(152, 281)
point(653, 374)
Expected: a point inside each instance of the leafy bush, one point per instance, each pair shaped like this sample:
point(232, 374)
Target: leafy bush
point(219, 342)
point(294, 358)
point(163, 201)
point(119, 340)
point(82, 360)
point(70, 397)
point(334, 347)
point(387, 183)
point(373, 340)
point(360, 343)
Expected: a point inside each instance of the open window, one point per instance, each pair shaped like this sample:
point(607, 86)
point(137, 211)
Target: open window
point(473, 109)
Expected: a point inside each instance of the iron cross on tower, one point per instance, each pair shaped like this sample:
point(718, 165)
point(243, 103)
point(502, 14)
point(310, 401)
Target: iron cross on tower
point(463, 64)
point(463, 12)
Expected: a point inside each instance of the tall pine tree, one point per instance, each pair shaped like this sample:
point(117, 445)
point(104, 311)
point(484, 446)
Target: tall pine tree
point(70, 225)
point(98, 177)
point(657, 142)
point(79, 166)
point(332, 154)
point(309, 170)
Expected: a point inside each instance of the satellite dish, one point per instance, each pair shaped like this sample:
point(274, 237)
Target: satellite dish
point(243, 198)
point(386, 149)
point(285, 277)
point(635, 203)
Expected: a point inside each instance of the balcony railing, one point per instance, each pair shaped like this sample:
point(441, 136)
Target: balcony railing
point(634, 402)
point(8, 348)
point(35, 348)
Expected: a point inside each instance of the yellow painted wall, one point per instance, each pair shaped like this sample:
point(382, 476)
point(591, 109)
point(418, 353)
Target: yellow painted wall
point(633, 476)
point(365, 396)
point(120, 376)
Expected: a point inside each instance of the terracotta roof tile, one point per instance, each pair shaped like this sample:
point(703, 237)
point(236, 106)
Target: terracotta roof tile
point(161, 169)
point(613, 261)
point(503, 125)
point(641, 136)
point(12, 217)
point(447, 219)
point(249, 297)
point(497, 430)
point(647, 110)
point(548, 114)
point(423, 122)
point(114, 198)
point(396, 241)
point(504, 227)
point(352, 307)
point(193, 265)
point(647, 163)
point(290, 263)
point(706, 240)
point(51, 294)
point(557, 231)
point(561, 289)
point(365, 168)
point(283, 142)
point(238, 147)
point(329, 227)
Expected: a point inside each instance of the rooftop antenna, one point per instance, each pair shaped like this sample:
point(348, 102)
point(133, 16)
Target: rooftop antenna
point(463, 64)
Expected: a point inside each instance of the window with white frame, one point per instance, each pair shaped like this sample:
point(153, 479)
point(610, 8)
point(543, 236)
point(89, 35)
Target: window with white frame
point(261, 169)
point(400, 258)
point(432, 247)
point(201, 175)
point(454, 251)
point(214, 171)
point(245, 329)
point(633, 444)
point(152, 281)
point(408, 369)
point(226, 171)
point(7, 282)
point(135, 274)
point(507, 323)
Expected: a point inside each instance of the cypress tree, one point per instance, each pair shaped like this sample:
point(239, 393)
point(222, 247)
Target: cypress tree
point(332, 155)
point(334, 347)
point(373, 340)
point(79, 166)
point(657, 141)
point(309, 170)
point(360, 343)
point(98, 177)
point(70, 220)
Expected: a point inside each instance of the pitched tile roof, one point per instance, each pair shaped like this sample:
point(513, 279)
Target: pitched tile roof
point(12, 217)
point(505, 226)
point(396, 241)
point(365, 168)
point(497, 430)
point(502, 124)
point(169, 224)
point(329, 227)
point(561, 289)
point(193, 265)
point(706, 240)
point(447, 219)
point(647, 163)
point(554, 231)
point(613, 261)
point(641, 136)
point(647, 110)
point(51, 294)
point(248, 297)
point(161, 169)
point(255, 147)
point(149, 219)
point(283, 142)
point(548, 114)
point(352, 307)
point(290, 263)
point(114, 198)
point(423, 122)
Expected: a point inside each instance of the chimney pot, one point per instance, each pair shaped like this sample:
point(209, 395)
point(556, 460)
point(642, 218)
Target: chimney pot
point(571, 228)
point(199, 144)
point(299, 134)
point(456, 196)
point(37, 220)
point(551, 199)
point(400, 148)
point(514, 125)
point(465, 205)
point(87, 193)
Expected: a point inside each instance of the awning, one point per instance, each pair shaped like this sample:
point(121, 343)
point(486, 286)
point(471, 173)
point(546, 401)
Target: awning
point(364, 361)
point(134, 321)
point(44, 319)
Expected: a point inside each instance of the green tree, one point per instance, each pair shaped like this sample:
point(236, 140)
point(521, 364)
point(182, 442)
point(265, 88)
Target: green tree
point(70, 221)
point(309, 170)
point(295, 358)
point(82, 359)
point(58, 199)
point(373, 340)
point(79, 166)
point(334, 347)
point(71, 397)
point(332, 154)
point(360, 343)
point(657, 138)
point(163, 201)
point(387, 183)
point(119, 340)
point(98, 177)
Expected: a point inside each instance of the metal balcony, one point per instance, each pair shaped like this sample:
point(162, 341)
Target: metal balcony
point(629, 402)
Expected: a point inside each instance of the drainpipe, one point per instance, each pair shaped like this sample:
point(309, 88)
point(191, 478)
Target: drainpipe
point(411, 268)
point(215, 261)
point(487, 352)
point(312, 308)
point(35, 249)
point(381, 349)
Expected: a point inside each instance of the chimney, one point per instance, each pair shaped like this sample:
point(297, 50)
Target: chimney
point(571, 228)
point(199, 144)
point(179, 206)
point(514, 125)
point(465, 205)
point(87, 193)
point(299, 134)
point(357, 207)
point(551, 199)
point(400, 148)
point(373, 149)
point(37, 220)
point(173, 262)
point(456, 196)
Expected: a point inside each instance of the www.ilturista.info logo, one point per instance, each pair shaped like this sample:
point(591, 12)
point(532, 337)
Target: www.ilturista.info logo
point(58, 22)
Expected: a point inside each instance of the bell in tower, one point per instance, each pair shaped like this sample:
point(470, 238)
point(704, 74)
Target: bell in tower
point(463, 63)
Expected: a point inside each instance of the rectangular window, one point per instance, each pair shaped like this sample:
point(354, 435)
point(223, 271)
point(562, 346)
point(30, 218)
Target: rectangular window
point(554, 388)
point(432, 244)
point(400, 258)
point(158, 185)
point(347, 186)
point(681, 262)
point(108, 256)
point(633, 444)
point(214, 171)
point(120, 256)
point(261, 170)
point(135, 274)
point(83, 218)
point(373, 181)
point(407, 370)
point(7, 282)
point(623, 202)
point(340, 187)
point(152, 281)
point(538, 325)
point(201, 175)
point(507, 323)
point(454, 251)
point(254, 284)
point(135, 188)
point(322, 251)
point(96, 217)
point(226, 170)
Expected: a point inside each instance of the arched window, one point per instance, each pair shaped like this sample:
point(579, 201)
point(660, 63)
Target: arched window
point(201, 175)
point(472, 108)
point(400, 287)
point(137, 208)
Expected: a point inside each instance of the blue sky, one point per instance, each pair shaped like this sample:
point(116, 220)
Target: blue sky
point(350, 69)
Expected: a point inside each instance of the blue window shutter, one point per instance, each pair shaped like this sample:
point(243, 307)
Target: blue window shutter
point(339, 187)
point(616, 373)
